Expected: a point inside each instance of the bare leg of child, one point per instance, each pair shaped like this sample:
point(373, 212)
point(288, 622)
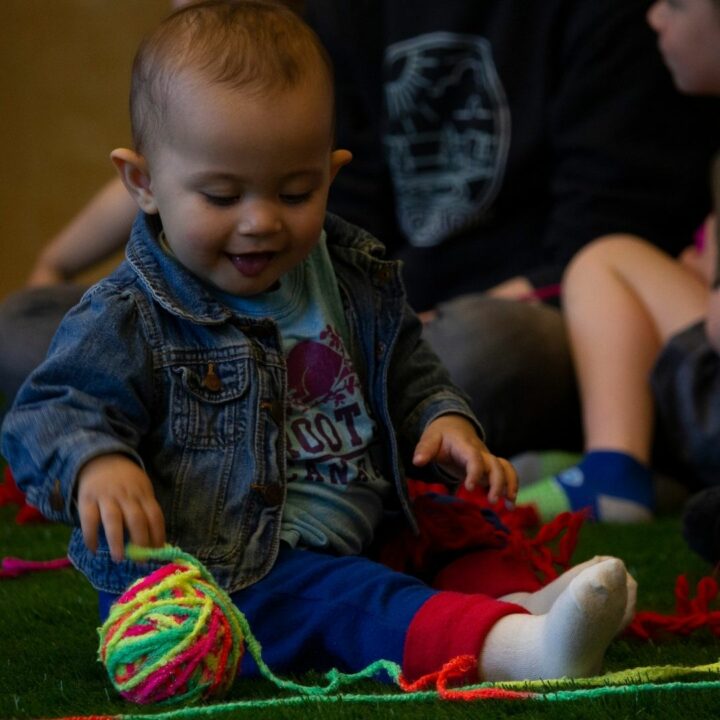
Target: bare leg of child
point(623, 299)
point(569, 640)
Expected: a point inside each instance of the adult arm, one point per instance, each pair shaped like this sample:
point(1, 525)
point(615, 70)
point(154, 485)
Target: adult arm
point(100, 228)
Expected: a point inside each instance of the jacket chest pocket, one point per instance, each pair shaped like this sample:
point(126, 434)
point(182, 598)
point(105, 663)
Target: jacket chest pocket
point(209, 403)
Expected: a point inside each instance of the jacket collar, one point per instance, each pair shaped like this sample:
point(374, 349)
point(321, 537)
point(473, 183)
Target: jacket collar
point(341, 233)
point(172, 286)
point(181, 293)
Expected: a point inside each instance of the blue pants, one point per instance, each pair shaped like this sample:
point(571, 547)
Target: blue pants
point(317, 611)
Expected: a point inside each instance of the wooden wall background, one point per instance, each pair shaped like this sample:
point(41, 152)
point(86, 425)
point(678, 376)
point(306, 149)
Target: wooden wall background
point(63, 108)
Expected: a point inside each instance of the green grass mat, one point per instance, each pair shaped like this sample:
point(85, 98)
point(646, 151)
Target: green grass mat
point(48, 645)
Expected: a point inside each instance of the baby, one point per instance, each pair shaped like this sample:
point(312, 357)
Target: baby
point(251, 386)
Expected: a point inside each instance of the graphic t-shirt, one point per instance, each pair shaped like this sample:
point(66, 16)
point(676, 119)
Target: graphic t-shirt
point(335, 493)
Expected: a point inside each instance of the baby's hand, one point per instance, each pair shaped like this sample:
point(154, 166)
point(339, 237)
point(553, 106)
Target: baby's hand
point(115, 491)
point(451, 442)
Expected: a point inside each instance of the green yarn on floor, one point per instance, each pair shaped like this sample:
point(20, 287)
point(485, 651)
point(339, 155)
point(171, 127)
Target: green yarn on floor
point(48, 641)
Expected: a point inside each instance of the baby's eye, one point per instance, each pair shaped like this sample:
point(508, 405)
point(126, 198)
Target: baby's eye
point(220, 200)
point(295, 198)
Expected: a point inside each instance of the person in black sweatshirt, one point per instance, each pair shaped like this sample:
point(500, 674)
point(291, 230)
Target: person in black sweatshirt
point(491, 141)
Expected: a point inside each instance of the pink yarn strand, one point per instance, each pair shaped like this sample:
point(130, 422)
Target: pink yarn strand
point(13, 567)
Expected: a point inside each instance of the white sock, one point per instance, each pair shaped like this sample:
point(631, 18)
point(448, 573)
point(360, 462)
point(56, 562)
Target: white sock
point(542, 600)
point(569, 640)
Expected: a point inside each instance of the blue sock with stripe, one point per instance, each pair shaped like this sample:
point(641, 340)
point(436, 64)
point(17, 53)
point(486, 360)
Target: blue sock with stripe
point(613, 485)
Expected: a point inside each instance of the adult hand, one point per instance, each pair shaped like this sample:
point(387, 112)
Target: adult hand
point(516, 288)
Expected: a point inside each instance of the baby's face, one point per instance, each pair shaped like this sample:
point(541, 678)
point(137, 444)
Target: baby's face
point(689, 40)
point(241, 179)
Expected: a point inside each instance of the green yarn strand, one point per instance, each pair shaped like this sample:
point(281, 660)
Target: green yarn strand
point(642, 680)
point(335, 679)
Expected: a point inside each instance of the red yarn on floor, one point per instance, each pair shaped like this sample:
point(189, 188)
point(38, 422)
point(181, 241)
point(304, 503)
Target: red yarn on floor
point(691, 614)
point(10, 494)
point(459, 670)
point(447, 526)
point(552, 547)
point(13, 567)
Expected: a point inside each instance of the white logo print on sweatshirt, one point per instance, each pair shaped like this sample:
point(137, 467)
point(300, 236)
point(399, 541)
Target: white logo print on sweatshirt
point(448, 132)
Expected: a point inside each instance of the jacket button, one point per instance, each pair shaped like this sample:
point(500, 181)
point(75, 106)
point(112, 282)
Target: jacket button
point(211, 381)
point(57, 501)
point(272, 494)
point(275, 408)
point(384, 275)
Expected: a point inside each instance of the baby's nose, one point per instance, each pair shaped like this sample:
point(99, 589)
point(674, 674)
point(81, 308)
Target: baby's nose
point(258, 217)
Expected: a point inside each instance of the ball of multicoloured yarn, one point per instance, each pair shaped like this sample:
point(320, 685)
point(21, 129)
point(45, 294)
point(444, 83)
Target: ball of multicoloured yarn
point(174, 636)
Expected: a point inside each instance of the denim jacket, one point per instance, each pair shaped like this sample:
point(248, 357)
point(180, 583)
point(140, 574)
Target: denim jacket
point(128, 371)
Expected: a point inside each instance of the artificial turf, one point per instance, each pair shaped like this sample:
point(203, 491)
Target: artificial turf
point(48, 643)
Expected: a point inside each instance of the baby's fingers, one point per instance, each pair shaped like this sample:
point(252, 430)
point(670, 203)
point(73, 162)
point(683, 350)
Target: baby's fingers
point(145, 522)
point(427, 448)
point(495, 478)
point(501, 478)
point(112, 521)
point(511, 479)
point(475, 471)
point(89, 523)
point(156, 520)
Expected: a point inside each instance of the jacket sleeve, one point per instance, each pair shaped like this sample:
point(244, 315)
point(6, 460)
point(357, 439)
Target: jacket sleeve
point(424, 393)
point(89, 397)
point(629, 152)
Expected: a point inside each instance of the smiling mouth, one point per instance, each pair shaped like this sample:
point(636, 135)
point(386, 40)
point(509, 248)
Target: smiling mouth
point(251, 264)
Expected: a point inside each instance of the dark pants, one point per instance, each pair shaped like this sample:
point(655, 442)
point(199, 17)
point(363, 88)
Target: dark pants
point(315, 611)
point(513, 359)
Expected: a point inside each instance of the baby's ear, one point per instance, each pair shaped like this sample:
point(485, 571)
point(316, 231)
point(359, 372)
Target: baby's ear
point(338, 158)
point(133, 170)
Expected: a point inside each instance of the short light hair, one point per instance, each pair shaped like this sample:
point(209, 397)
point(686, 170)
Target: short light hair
point(253, 45)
